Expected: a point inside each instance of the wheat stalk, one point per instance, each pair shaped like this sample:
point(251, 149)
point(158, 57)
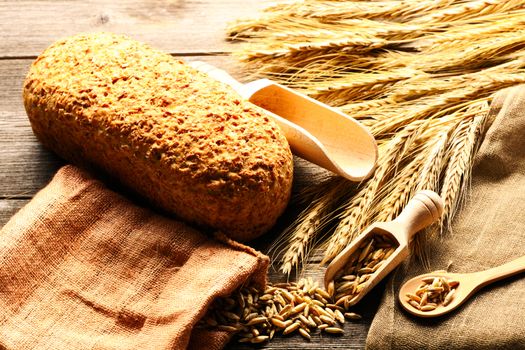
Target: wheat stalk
point(434, 164)
point(437, 106)
point(424, 175)
point(489, 25)
point(360, 109)
point(329, 12)
point(470, 9)
point(464, 143)
point(297, 240)
point(332, 11)
point(484, 80)
point(387, 202)
point(353, 217)
point(477, 54)
point(359, 86)
point(420, 172)
point(396, 194)
point(419, 75)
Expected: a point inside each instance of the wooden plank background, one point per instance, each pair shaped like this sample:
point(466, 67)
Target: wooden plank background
point(183, 27)
point(193, 30)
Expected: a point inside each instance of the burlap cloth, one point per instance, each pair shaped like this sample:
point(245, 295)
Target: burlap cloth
point(83, 268)
point(488, 231)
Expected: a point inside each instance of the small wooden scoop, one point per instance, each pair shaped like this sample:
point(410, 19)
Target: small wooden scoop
point(422, 210)
point(469, 283)
point(315, 131)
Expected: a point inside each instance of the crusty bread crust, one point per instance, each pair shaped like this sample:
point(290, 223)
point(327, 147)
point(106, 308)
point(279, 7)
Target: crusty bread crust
point(165, 130)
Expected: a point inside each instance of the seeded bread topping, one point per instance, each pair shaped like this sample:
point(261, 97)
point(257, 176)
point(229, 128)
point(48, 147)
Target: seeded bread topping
point(184, 141)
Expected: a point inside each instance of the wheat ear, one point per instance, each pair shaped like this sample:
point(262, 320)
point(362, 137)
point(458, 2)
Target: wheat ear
point(302, 234)
point(470, 9)
point(353, 217)
point(464, 142)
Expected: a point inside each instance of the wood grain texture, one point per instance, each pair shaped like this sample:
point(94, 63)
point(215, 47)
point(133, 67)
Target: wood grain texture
point(25, 166)
point(8, 207)
point(176, 26)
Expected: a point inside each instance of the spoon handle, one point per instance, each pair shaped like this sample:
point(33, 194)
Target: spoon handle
point(506, 270)
point(422, 210)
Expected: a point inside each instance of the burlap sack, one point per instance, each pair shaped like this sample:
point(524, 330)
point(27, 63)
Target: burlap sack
point(489, 231)
point(83, 268)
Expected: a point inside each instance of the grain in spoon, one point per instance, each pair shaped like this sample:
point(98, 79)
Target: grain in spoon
point(468, 284)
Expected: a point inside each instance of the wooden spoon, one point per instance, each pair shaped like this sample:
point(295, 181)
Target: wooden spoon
point(469, 283)
point(315, 131)
point(422, 210)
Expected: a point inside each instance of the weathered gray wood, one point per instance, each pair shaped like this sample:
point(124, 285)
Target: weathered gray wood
point(24, 165)
point(177, 26)
point(8, 207)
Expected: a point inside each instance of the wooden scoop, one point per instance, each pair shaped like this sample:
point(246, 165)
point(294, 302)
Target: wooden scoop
point(469, 283)
point(422, 210)
point(315, 131)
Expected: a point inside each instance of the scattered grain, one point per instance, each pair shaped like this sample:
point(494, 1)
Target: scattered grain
point(304, 333)
point(333, 330)
point(291, 328)
point(260, 339)
point(352, 316)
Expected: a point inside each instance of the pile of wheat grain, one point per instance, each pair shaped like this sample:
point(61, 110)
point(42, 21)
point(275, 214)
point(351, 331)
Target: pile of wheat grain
point(419, 74)
point(256, 316)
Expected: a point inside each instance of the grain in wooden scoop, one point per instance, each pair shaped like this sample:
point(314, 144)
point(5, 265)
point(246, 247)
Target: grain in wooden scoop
point(360, 268)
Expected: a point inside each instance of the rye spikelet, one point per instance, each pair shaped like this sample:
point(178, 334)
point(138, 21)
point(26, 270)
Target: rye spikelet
point(483, 81)
point(477, 54)
point(328, 13)
point(397, 193)
point(392, 10)
point(362, 109)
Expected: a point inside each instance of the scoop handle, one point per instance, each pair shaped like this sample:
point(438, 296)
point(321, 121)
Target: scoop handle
point(218, 74)
point(422, 210)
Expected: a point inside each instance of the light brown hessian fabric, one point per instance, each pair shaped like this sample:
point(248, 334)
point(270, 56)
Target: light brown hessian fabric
point(488, 231)
point(83, 268)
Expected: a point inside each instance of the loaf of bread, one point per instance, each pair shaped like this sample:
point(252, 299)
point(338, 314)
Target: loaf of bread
point(185, 142)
